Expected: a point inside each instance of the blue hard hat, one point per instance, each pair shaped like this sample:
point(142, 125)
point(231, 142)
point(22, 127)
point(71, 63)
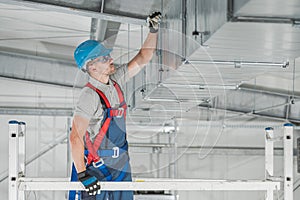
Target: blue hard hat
point(89, 50)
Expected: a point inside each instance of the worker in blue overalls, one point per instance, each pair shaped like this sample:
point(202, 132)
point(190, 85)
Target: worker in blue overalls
point(98, 137)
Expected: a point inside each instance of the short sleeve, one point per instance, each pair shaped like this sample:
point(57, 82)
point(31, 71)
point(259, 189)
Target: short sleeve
point(87, 103)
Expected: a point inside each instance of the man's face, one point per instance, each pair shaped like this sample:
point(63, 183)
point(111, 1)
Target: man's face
point(103, 65)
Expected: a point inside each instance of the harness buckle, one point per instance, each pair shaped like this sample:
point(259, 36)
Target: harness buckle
point(86, 160)
point(109, 113)
point(120, 112)
point(99, 163)
point(116, 152)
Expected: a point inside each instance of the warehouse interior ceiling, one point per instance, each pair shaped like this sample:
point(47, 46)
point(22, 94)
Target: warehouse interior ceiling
point(223, 71)
point(243, 61)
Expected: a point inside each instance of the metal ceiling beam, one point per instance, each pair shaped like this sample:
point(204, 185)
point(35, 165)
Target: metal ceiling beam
point(249, 114)
point(36, 111)
point(266, 90)
point(33, 55)
point(38, 70)
point(74, 11)
point(38, 81)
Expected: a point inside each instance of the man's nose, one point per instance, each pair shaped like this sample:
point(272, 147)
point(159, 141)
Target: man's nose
point(111, 60)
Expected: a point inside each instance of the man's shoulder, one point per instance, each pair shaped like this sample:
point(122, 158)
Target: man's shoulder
point(121, 74)
point(88, 92)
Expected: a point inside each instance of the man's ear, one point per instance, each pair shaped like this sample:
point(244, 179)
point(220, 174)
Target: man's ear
point(91, 68)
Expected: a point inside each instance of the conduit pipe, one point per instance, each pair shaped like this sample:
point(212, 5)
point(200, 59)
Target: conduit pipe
point(238, 64)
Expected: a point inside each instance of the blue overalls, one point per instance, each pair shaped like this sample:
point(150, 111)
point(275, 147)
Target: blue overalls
point(107, 157)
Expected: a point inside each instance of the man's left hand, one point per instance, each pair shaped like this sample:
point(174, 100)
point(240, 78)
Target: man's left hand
point(91, 184)
point(153, 21)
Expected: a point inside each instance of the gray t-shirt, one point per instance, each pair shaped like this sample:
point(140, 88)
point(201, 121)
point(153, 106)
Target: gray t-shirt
point(89, 105)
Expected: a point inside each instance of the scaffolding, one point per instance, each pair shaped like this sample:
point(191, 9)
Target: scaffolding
point(19, 183)
point(287, 139)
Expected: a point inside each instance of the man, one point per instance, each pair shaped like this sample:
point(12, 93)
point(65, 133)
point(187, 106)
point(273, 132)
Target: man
point(98, 137)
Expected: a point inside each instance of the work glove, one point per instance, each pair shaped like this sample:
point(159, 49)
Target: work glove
point(91, 183)
point(153, 21)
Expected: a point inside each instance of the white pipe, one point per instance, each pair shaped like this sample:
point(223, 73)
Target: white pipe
point(238, 64)
point(201, 86)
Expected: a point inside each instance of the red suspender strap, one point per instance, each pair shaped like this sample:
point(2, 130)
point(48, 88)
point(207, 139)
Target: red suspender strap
point(92, 148)
point(119, 91)
point(92, 155)
point(121, 97)
point(101, 134)
point(107, 104)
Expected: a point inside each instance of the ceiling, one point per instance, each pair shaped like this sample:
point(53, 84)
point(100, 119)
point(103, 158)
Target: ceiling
point(244, 60)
